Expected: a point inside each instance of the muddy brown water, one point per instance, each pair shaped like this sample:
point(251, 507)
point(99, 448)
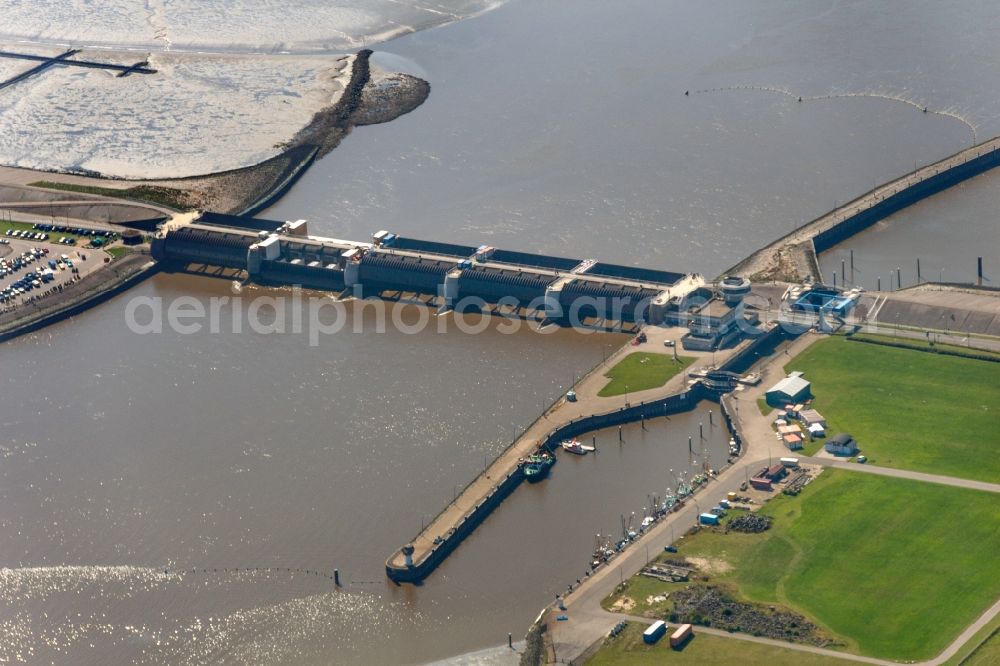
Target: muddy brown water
point(184, 499)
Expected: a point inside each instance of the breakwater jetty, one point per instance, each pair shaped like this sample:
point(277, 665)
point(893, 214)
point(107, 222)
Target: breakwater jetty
point(793, 257)
point(417, 559)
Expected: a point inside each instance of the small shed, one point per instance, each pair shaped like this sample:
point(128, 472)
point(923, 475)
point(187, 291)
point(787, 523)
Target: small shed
point(790, 429)
point(811, 416)
point(791, 390)
point(817, 430)
point(792, 441)
point(841, 445)
point(760, 483)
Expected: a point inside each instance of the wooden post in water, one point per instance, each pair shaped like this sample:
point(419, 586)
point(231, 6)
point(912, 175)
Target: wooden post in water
point(918, 270)
point(979, 271)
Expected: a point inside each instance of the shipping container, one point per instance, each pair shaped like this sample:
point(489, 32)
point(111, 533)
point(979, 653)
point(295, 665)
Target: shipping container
point(679, 637)
point(654, 632)
point(790, 462)
point(708, 519)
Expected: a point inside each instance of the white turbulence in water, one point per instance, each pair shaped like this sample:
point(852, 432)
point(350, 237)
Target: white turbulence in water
point(196, 115)
point(242, 25)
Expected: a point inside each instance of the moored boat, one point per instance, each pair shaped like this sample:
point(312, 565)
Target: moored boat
point(536, 467)
point(575, 446)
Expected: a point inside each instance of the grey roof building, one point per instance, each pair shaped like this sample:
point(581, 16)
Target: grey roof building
point(792, 389)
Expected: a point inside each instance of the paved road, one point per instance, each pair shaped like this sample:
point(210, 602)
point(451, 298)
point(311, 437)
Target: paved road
point(903, 474)
point(588, 623)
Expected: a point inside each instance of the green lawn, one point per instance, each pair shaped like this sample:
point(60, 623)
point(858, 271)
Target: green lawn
point(908, 409)
point(642, 370)
point(926, 345)
point(163, 196)
point(895, 568)
point(628, 649)
point(987, 654)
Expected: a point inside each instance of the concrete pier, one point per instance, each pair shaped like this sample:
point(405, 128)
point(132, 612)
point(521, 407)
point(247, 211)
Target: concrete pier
point(564, 420)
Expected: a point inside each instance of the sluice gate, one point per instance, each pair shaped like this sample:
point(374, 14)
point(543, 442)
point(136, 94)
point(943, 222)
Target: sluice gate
point(556, 289)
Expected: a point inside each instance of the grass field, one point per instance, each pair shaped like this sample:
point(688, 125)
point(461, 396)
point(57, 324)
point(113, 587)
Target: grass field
point(925, 345)
point(163, 196)
point(908, 409)
point(895, 568)
point(642, 370)
point(627, 649)
point(987, 654)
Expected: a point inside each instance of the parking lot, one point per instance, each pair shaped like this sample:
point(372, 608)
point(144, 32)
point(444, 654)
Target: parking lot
point(30, 269)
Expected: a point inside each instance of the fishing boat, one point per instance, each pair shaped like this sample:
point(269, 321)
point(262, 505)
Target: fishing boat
point(683, 490)
point(577, 447)
point(536, 467)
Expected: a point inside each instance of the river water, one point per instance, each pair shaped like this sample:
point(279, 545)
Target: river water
point(139, 471)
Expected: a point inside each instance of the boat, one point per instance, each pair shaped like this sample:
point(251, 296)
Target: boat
point(683, 490)
point(575, 446)
point(536, 467)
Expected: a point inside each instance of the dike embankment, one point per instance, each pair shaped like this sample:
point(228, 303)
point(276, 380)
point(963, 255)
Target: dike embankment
point(793, 257)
